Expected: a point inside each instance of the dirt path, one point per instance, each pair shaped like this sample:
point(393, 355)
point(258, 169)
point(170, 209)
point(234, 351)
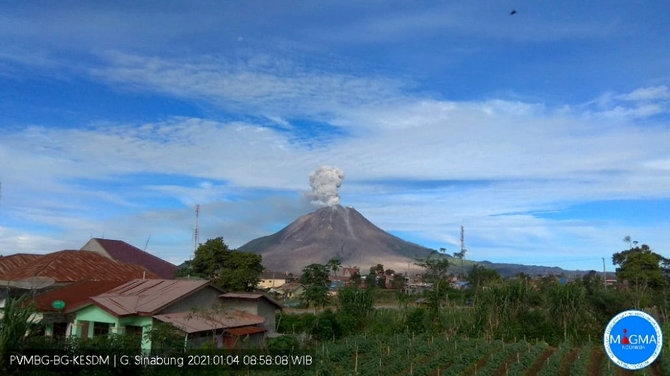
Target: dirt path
point(595, 360)
point(502, 370)
point(539, 362)
point(567, 361)
point(478, 365)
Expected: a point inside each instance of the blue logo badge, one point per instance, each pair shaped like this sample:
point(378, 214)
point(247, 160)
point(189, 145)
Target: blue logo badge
point(633, 339)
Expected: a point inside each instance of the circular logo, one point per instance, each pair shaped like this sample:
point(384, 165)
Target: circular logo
point(633, 339)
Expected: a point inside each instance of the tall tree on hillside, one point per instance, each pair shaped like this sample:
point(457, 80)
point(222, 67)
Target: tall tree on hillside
point(231, 269)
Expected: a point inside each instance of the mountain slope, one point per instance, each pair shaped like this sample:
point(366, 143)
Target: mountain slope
point(334, 231)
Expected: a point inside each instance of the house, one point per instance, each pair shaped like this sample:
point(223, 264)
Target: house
point(271, 280)
point(256, 304)
point(136, 306)
point(69, 266)
point(13, 262)
point(121, 251)
point(229, 326)
point(291, 291)
point(58, 306)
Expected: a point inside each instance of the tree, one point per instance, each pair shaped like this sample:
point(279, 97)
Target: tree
point(315, 296)
point(480, 277)
point(641, 269)
point(15, 325)
point(355, 303)
point(334, 264)
point(567, 304)
point(315, 277)
point(460, 255)
point(231, 269)
point(355, 278)
point(436, 273)
point(315, 274)
point(377, 269)
point(398, 281)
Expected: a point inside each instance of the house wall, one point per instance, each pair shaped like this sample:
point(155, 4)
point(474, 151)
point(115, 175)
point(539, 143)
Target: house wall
point(259, 307)
point(202, 299)
point(268, 311)
point(267, 283)
point(246, 305)
point(93, 246)
point(87, 317)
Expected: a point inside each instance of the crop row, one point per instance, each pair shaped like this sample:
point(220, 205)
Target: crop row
point(440, 356)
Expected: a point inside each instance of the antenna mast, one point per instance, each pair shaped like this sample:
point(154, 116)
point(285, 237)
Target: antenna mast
point(462, 240)
point(195, 229)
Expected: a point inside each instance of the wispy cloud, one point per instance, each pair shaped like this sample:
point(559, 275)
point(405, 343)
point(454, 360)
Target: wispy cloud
point(406, 93)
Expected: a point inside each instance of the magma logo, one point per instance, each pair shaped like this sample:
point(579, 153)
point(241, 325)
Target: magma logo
point(633, 339)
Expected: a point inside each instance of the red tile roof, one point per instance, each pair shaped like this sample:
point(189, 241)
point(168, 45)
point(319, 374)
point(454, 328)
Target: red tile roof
point(124, 252)
point(193, 322)
point(75, 295)
point(147, 297)
point(12, 262)
point(74, 266)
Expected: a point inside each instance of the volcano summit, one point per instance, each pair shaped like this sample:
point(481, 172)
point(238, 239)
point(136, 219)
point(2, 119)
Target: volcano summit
point(333, 231)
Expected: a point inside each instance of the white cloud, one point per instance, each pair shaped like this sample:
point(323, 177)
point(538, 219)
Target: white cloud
point(647, 94)
point(529, 156)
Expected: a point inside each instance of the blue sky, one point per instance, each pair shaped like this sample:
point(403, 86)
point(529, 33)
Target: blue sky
point(544, 133)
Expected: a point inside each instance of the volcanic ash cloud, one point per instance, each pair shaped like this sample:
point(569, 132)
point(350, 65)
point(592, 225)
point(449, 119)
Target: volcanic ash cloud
point(325, 181)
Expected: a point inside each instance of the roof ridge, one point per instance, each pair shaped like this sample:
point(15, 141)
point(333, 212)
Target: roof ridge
point(137, 248)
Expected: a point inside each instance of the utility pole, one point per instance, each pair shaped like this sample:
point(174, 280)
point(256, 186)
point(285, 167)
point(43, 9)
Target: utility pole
point(195, 229)
point(604, 274)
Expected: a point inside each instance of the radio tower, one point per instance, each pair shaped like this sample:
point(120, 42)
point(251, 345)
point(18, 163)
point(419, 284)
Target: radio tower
point(462, 240)
point(195, 229)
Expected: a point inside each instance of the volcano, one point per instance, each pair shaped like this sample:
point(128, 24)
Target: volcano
point(334, 231)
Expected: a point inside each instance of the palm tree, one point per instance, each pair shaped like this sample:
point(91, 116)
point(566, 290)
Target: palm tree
point(334, 264)
point(627, 239)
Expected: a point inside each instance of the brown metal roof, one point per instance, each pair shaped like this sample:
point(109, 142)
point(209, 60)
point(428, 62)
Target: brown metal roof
point(124, 252)
point(146, 297)
point(193, 322)
point(13, 262)
point(243, 331)
point(74, 266)
point(249, 296)
point(75, 295)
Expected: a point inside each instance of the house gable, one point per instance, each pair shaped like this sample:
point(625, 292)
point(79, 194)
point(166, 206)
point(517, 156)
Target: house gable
point(121, 251)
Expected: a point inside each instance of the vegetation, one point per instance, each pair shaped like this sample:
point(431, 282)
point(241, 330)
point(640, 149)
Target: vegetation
point(15, 327)
point(232, 270)
point(518, 326)
point(315, 278)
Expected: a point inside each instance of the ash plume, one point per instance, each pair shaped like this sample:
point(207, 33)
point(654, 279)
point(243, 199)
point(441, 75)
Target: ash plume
point(325, 181)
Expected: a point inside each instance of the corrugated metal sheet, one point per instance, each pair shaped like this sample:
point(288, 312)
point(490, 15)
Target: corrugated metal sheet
point(146, 297)
point(124, 252)
point(74, 266)
point(13, 262)
point(193, 322)
point(74, 296)
point(249, 296)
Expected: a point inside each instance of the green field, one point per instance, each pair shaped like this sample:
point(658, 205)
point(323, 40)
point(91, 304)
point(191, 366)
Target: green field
point(430, 355)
